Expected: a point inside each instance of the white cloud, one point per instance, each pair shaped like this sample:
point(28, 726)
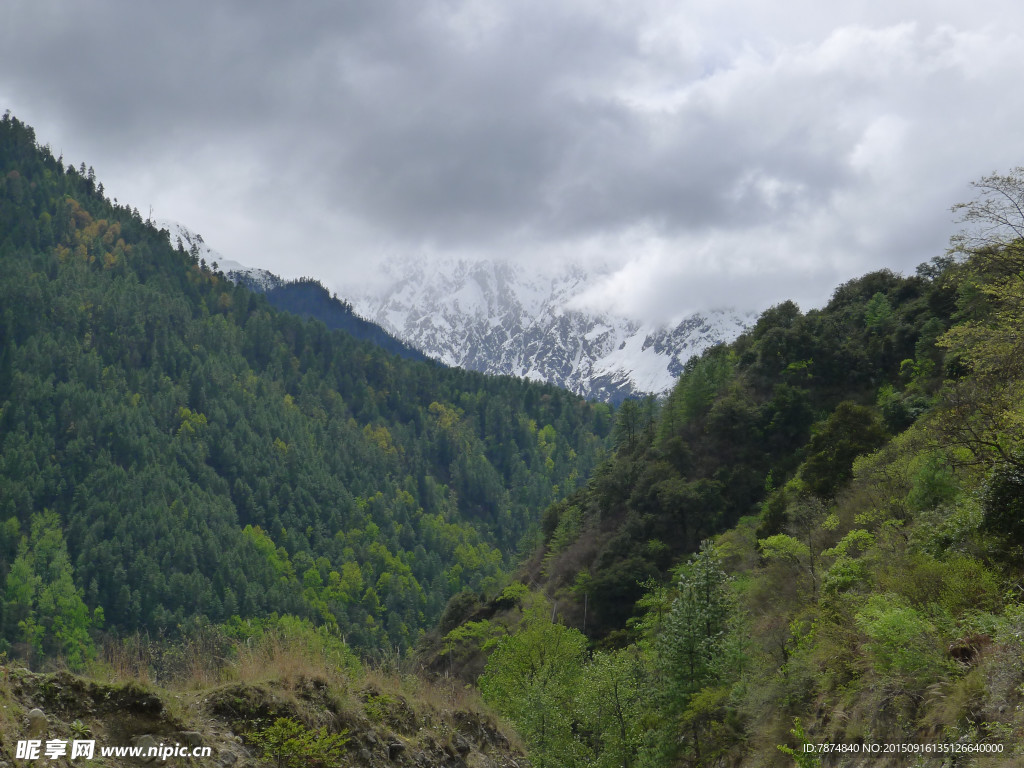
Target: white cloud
point(710, 154)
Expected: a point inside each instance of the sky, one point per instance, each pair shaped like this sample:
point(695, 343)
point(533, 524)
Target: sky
point(696, 153)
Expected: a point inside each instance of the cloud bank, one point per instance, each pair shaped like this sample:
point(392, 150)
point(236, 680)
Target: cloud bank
point(718, 154)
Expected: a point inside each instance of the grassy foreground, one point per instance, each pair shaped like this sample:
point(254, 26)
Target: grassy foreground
point(275, 698)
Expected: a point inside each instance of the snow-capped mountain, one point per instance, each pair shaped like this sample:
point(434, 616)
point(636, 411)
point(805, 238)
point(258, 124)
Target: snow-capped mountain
point(500, 318)
point(257, 279)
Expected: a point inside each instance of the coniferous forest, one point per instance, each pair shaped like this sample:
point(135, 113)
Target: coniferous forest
point(174, 449)
point(815, 539)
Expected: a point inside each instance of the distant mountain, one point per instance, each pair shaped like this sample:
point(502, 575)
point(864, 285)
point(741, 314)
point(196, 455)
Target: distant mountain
point(499, 318)
point(496, 318)
point(305, 297)
point(309, 298)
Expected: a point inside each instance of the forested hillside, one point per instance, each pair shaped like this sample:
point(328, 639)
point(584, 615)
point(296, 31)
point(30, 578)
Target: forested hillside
point(173, 449)
point(816, 539)
point(799, 394)
point(309, 298)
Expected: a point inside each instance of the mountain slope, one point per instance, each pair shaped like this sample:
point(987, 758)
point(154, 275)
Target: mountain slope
point(305, 297)
point(496, 317)
point(810, 553)
point(174, 449)
point(308, 298)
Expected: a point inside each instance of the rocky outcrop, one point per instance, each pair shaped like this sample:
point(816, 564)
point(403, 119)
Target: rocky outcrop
point(384, 728)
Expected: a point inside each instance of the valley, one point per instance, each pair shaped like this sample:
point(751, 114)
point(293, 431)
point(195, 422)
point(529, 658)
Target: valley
point(233, 509)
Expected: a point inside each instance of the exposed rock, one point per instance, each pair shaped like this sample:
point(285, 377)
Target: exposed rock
point(146, 743)
point(191, 738)
point(385, 728)
point(37, 723)
point(395, 748)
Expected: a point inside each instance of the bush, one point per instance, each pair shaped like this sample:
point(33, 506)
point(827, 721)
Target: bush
point(901, 642)
point(291, 744)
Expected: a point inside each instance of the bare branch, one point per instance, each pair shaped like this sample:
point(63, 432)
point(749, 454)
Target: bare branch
point(996, 215)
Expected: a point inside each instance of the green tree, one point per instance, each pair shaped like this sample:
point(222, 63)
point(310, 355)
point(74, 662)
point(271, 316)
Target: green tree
point(981, 412)
point(41, 596)
point(689, 647)
point(851, 430)
point(534, 678)
point(290, 744)
point(903, 645)
point(878, 313)
point(615, 698)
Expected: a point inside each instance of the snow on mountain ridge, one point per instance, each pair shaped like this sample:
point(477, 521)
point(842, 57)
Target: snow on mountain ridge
point(499, 318)
point(257, 279)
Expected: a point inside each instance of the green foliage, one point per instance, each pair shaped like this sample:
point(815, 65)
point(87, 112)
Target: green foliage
point(615, 697)
point(849, 431)
point(786, 401)
point(470, 639)
point(290, 744)
point(320, 643)
point(901, 642)
point(207, 455)
point(534, 678)
point(878, 311)
point(41, 599)
point(933, 484)
point(570, 524)
point(690, 644)
point(784, 547)
point(379, 706)
point(633, 424)
point(1003, 503)
point(801, 758)
point(460, 607)
point(703, 379)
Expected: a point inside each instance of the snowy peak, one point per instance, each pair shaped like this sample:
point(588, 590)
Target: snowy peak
point(191, 241)
point(501, 318)
point(256, 279)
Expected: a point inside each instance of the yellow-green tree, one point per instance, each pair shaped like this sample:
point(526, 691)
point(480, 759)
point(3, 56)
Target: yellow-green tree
point(534, 679)
point(41, 598)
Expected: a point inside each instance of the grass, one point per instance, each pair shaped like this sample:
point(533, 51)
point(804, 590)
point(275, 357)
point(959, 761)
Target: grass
point(241, 678)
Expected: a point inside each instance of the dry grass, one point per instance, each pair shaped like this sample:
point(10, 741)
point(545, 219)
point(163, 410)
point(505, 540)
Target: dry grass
point(279, 659)
point(297, 673)
point(437, 695)
point(121, 661)
point(11, 714)
point(209, 659)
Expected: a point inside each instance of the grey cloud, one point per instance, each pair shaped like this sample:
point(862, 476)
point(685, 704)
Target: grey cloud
point(782, 151)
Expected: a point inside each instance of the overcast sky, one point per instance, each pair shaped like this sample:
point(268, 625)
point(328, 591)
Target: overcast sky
point(713, 152)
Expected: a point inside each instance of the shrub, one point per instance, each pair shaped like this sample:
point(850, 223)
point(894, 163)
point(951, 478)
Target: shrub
point(291, 744)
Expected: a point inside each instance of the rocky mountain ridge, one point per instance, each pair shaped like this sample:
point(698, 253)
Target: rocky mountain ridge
point(223, 725)
point(503, 319)
point(500, 318)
